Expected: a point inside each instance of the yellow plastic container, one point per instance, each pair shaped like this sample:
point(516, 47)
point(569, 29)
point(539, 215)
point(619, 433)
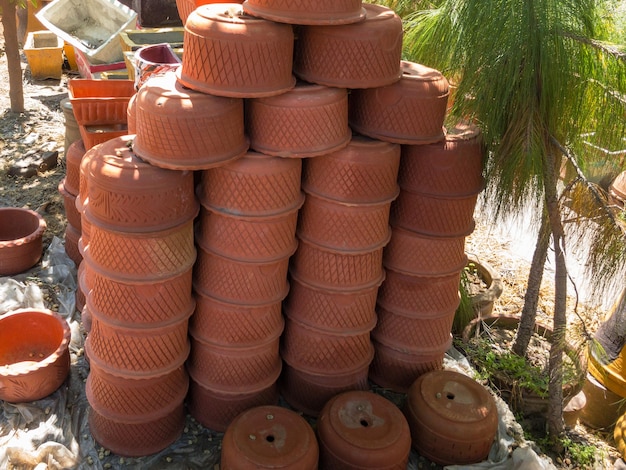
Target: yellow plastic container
point(70, 55)
point(44, 52)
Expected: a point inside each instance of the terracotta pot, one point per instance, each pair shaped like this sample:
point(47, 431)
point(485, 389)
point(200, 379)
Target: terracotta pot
point(21, 239)
point(256, 184)
point(229, 53)
point(129, 256)
point(331, 268)
point(95, 134)
point(397, 369)
point(249, 238)
point(138, 437)
point(139, 351)
point(96, 101)
point(182, 129)
point(451, 167)
point(82, 289)
point(139, 301)
point(603, 407)
point(366, 171)
point(131, 115)
point(442, 216)
point(310, 12)
point(413, 295)
point(72, 134)
point(229, 324)
point(34, 354)
point(127, 194)
point(72, 249)
point(240, 282)
point(344, 226)
point(123, 396)
point(73, 158)
point(425, 255)
point(482, 302)
point(235, 368)
point(185, 7)
point(327, 351)
point(413, 332)
point(359, 55)
point(307, 121)
point(269, 437)
point(216, 409)
point(308, 391)
point(409, 111)
point(69, 204)
point(331, 309)
point(359, 430)
point(453, 418)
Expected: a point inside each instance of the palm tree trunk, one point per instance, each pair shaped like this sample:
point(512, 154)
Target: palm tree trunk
point(12, 50)
point(531, 298)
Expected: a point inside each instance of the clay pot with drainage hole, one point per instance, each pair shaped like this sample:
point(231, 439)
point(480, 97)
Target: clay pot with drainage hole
point(453, 418)
point(230, 53)
point(182, 129)
point(366, 54)
point(361, 430)
point(307, 121)
point(324, 12)
point(269, 437)
point(21, 239)
point(410, 111)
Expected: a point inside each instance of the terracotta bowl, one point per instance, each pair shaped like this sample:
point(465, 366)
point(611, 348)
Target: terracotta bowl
point(21, 235)
point(34, 354)
point(325, 12)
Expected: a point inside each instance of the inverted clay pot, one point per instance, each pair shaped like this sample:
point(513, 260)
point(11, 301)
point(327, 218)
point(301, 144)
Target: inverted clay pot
point(409, 111)
point(34, 354)
point(410, 294)
point(233, 368)
point(450, 167)
point(140, 301)
point(249, 238)
point(137, 436)
point(359, 55)
point(182, 129)
point(216, 409)
point(241, 282)
point(128, 194)
point(142, 255)
point(442, 216)
point(453, 418)
point(332, 268)
point(360, 430)
point(69, 204)
point(269, 437)
point(229, 53)
point(344, 226)
point(232, 324)
point(185, 7)
point(73, 158)
point(331, 309)
point(308, 391)
point(316, 350)
point(307, 121)
point(131, 115)
point(255, 184)
point(366, 171)
point(21, 239)
point(415, 253)
point(72, 244)
point(326, 12)
point(397, 369)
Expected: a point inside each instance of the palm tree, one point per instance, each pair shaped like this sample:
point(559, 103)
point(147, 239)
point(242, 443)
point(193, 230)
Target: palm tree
point(536, 75)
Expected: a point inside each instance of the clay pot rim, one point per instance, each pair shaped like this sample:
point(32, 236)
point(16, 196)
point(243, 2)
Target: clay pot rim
point(430, 315)
point(346, 252)
point(450, 273)
point(303, 153)
point(349, 290)
point(279, 259)
point(51, 358)
point(305, 18)
point(325, 374)
point(352, 205)
point(254, 213)
point(234, 391)
point(28, 238)
point(136, 375)
point(240, 348)
point(235, 305)
point(259, 303)
point(256, 218)
point(416, 72)
point(400, 353)
point(334, 333)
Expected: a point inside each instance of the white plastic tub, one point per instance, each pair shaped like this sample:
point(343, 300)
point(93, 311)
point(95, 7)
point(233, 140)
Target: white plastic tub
point(91, 26)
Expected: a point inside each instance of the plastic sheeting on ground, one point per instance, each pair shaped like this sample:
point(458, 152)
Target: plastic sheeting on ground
point(53, 433)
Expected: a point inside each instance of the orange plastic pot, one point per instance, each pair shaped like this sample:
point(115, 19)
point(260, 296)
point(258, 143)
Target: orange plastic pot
point(98, 101)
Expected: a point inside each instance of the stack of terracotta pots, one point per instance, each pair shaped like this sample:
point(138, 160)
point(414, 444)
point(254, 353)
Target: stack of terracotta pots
point(138, 263)
point(69, 188)
point(336, 271)
point(431, 218)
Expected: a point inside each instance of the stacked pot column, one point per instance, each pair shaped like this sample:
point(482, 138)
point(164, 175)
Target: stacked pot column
point(138, 262)
point(440, 177)
point(247, 225)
